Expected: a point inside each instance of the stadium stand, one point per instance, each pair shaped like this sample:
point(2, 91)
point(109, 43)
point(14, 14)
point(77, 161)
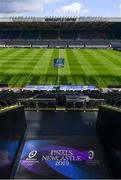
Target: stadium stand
point(52, 32)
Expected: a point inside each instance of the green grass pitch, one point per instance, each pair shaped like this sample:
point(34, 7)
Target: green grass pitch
point(20, 67)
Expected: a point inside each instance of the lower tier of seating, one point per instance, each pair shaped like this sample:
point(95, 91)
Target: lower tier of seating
point(85, 100)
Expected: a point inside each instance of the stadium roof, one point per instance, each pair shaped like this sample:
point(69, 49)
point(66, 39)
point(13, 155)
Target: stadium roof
point(60, 19)
point(70, 23)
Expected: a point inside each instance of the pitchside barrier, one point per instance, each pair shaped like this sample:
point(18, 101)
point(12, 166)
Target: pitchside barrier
point(71, 104)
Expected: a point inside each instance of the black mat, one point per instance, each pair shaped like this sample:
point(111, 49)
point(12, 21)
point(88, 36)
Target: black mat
point(82, 159)
point(60, 124)
point(53, 135)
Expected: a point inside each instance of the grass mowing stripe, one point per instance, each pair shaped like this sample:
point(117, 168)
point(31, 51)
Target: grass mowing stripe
point(99, 61)
point(5, 51)
point(90, 68)
point(117, 53)
point(52, 72)
point(13, 66)
point(84, 62)
point(6, 57)
point(66, 69)
point(86, 78)
point(29, 62)
point(100, 68)
point(112, 67)
point(24, 73)
point(105, 71)
point(17, 63)
point(33, 79)
point(112, 57)
point(35, 75)
point(76, 70)
point(5, 71)
point(64, 73)
point(42, 66)
point(11, 58)
point(17, 68)
point(46, 61)
point(116, 70)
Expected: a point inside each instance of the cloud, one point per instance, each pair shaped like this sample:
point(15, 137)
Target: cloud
point(74, 8)
point(23, 6)
point(119, 6)
point(39, 7)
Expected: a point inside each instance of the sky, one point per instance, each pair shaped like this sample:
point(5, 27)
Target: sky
point(42, 8)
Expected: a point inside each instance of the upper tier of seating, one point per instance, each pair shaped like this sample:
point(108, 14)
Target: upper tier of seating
point(63, 34)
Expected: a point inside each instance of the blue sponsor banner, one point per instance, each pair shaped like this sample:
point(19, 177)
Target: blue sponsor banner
point(61, 87)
